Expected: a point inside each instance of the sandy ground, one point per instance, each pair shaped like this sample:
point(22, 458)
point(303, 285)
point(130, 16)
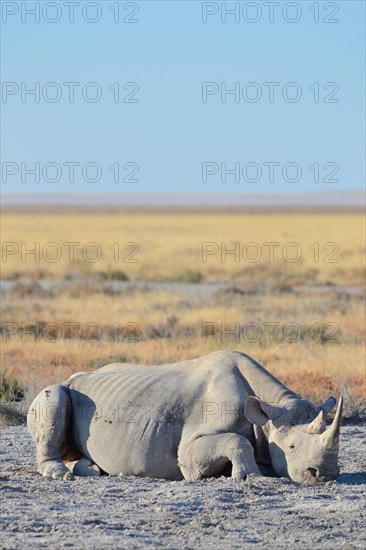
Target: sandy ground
point(219, 513)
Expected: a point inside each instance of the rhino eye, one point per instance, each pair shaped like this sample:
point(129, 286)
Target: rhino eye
point(291, 446)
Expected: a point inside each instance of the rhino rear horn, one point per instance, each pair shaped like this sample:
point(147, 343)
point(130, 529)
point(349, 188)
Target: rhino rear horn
point(329, 440)
point(317, 426)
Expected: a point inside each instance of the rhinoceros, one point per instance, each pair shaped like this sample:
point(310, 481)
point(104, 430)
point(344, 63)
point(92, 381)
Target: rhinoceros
point(220, 414)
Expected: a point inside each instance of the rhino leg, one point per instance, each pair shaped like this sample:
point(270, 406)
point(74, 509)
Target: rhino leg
point(208, 455)
point(48, 420)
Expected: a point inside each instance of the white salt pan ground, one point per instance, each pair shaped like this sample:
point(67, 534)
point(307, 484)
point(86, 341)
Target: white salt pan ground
point(217, 513)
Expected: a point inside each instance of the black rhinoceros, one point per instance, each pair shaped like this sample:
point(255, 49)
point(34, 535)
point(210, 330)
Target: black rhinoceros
point(221, 414)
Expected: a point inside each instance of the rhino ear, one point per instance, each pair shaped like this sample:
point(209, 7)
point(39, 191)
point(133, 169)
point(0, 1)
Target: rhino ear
point(259, 412)
point(254, 412)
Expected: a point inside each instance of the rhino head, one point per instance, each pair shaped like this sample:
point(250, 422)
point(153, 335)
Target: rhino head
point(302, 450)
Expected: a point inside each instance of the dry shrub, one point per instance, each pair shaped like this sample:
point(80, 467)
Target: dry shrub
point(24, 290)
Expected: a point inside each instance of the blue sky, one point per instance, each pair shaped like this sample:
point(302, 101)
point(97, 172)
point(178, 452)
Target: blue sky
point(169, 133)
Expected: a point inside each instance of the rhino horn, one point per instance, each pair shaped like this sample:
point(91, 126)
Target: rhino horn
point(317, 426)
point(329, 440)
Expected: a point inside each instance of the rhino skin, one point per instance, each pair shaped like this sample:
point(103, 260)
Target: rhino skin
point(221, 414)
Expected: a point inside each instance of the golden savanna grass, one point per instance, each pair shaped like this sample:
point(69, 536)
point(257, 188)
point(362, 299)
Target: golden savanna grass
point(170, 246)
point(167, 320)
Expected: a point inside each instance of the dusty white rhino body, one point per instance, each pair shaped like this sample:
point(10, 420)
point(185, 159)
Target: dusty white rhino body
point(221, 413)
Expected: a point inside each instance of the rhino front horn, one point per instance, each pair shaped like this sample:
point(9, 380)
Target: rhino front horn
point(329, 440)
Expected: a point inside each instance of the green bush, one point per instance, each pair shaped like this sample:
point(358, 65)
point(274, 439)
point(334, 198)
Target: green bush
point(10, 388)
point(189, 277)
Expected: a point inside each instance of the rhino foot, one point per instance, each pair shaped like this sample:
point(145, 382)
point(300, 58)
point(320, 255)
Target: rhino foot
point(85, 468)
point(55, 470)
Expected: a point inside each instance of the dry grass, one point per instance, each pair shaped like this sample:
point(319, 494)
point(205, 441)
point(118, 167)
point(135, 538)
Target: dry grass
point(168, 322)
point(166, 326)
point(170, 246)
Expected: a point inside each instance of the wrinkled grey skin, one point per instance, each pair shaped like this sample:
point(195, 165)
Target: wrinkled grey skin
point(221, 414)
